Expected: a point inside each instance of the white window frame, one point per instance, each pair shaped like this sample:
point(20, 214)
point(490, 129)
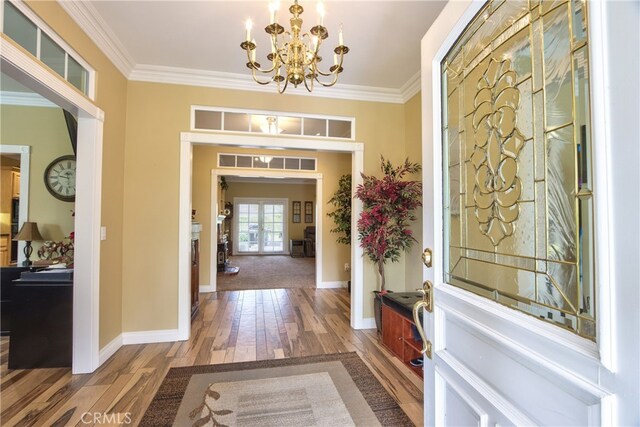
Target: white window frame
point(43, 27)
point(277, 114)
point(253, 156)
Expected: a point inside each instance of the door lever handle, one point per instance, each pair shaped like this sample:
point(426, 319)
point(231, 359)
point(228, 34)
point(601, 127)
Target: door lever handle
point(426, 344)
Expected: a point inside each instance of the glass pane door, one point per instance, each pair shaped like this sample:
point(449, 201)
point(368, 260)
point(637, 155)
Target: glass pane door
point(273, 227)
point(261, 227)
point(248, 227)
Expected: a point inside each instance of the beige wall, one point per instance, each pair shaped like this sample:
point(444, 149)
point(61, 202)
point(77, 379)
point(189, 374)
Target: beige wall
point(156, 114)
point(111, 97)
point(142, 216)
point(330, 165)
point(413, 128)
point(45, 131)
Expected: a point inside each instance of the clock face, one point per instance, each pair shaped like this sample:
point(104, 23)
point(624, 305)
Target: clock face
point(60, 178)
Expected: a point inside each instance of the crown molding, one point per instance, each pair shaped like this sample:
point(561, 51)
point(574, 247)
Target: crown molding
point(25, 99)
point(411, 87)
point(90, 21)
point(217, 79)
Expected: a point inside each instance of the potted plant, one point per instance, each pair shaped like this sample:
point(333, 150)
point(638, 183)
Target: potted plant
point(341, 200)
point(388, 210)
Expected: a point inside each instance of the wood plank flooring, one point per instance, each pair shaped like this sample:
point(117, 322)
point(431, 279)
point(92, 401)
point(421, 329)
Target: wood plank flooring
point(232, 326)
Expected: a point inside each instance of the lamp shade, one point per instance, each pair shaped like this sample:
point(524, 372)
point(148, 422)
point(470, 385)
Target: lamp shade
point(29, 233)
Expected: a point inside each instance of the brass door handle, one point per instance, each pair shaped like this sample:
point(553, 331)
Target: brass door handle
point(426, 344)
point(427, 257)
point(427, 295)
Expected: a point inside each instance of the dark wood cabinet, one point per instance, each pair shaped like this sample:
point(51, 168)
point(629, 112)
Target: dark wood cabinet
point(41, 323)
point(7, 276)
point(195, 276)
point(398, 336)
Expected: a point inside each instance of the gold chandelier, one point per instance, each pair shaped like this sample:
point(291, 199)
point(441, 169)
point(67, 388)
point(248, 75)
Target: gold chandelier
point(294, 57)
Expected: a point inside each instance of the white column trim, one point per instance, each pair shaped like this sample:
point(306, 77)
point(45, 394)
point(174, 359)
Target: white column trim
point(86, 290)
point(188, 139)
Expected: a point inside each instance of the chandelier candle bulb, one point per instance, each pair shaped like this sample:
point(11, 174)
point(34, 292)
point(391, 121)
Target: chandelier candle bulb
point(321, 13)
point(340, 37)
point(247, 26)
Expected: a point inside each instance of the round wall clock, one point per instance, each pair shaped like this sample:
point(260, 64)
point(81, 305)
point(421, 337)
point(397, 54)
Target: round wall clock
point(60, 178)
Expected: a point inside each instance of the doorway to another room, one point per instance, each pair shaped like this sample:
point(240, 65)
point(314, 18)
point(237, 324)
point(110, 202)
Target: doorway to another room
point(265, 236)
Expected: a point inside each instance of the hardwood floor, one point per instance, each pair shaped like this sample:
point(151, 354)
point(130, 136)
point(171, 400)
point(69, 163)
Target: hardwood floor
point(232, 326)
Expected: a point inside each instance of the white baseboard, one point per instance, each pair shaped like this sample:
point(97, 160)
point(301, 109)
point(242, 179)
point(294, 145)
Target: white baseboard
point(149, 337)
point(366, 323)
point(109, 350)
point(205, 289)
point(332, 285)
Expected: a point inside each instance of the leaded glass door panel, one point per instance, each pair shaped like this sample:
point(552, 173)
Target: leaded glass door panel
point(528, 326)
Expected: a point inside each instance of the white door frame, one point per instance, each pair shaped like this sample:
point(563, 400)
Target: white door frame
point(25, 161)
point(188, 139)
point(215, 196)
point(86, 283)
point(572, 362)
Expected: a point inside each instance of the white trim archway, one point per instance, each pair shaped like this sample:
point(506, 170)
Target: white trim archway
point(215, 196)
point(25, 161)
point(189, 139)
point(86, 283)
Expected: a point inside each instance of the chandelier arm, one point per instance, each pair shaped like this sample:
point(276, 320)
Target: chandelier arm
point(256, 68)
point(335, 72)
point(253, 74)
point(286, 83)
point(335, 80)
point(306, 85)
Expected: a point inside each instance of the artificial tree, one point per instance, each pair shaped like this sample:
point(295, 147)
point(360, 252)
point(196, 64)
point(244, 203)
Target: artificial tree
point(388, 210)
point(341, 216)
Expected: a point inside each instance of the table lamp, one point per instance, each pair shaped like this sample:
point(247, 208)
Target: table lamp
point(28, 233)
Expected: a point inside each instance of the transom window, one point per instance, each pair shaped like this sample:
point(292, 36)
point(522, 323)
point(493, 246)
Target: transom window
point(26, 29)
point(271, 123)
point(517, 152)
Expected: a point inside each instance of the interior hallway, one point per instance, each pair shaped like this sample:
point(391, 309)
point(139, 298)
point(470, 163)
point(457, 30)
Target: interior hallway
point(268, 272)
point(230, 327)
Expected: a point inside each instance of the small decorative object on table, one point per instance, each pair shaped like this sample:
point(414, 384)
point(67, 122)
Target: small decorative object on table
point(28, 233)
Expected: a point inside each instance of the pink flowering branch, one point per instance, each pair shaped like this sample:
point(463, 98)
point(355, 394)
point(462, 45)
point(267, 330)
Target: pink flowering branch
point(388, 205)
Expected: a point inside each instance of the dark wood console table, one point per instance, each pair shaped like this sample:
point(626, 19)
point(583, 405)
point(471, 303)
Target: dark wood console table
point(398, 328)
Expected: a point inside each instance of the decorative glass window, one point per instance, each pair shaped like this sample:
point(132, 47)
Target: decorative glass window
point(27, 30)
point(271, 123)
point(517, 161)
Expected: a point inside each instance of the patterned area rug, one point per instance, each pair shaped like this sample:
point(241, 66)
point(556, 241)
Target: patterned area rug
point(326, 390)
point(269, 272)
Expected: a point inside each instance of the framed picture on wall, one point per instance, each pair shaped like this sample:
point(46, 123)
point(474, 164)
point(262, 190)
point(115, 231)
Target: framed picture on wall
point(296, 211)
point(308, 212)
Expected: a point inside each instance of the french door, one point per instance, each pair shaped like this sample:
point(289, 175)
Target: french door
point(527, 152)
point(260, 226)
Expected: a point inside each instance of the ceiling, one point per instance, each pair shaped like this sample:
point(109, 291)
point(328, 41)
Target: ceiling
point(190, 37)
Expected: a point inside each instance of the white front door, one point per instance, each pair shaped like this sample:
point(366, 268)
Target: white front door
point(531, 212)
point(260, 226)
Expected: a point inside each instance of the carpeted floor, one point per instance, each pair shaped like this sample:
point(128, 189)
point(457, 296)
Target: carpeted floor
point(334, 389)
point(269, 272)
